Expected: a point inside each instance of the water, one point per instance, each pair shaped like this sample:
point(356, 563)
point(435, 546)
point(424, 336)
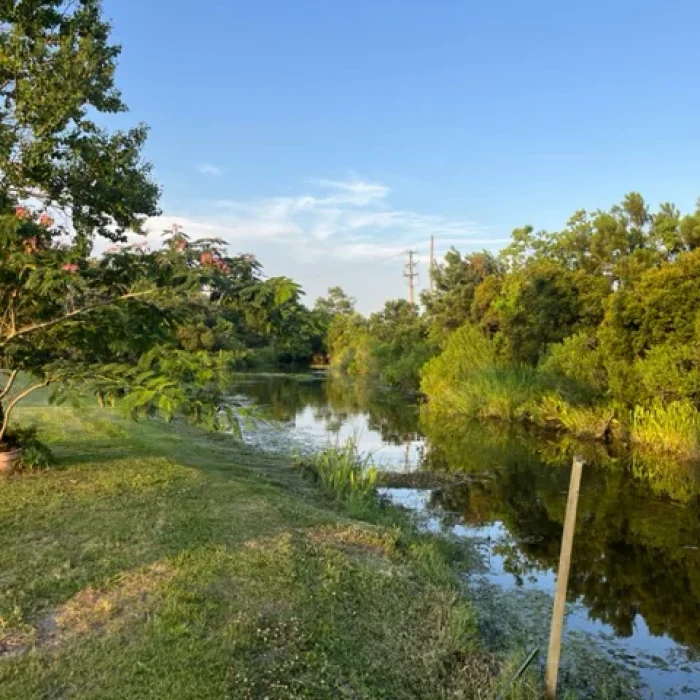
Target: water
point(635, 576)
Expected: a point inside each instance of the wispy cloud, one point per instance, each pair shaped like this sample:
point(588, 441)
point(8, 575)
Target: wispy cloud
point(209, 169)
point(336, 231)
point(336, 210)
point(358, 192)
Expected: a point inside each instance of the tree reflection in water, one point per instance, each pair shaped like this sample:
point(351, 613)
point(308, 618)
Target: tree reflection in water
point(638, 533)
point(636, 550)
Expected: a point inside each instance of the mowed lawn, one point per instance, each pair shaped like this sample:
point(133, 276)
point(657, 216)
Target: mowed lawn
point(158, 561)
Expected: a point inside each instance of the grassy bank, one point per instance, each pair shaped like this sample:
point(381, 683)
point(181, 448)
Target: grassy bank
point(567, 392)
point(156, 561)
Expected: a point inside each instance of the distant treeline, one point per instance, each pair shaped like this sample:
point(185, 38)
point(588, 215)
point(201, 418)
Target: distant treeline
point(593, 329)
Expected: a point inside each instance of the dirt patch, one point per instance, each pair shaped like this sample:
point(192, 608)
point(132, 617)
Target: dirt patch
point(356, 537)
point(92, 609)
point(12, 644)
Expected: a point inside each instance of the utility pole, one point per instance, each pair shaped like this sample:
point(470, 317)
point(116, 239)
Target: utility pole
point(409, 272)
point(432, 263)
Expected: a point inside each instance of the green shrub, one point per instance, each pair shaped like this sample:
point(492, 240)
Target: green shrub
point(582, 421)
point(508, 392)
point(669, 372)
point(575, 367)
point(468, 379)
point(35, 453)
point(467, 352)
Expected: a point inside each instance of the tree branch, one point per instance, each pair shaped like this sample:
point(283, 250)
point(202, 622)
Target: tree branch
point(15, 401)
point(8, 385)
point(61, 319)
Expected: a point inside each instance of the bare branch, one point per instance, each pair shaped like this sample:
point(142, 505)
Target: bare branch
point(62, 319)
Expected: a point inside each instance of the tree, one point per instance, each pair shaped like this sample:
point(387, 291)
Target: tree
point(108, 324)
point(456, 281)
point(539, 305)
point(334, 303)
point(401, 343)
point(662, 307)
point(56, 71)
point(267, 315)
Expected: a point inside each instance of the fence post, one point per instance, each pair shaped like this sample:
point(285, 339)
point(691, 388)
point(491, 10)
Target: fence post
point(563, 579)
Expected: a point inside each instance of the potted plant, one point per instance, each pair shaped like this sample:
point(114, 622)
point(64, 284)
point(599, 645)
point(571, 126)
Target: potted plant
point(10, 456)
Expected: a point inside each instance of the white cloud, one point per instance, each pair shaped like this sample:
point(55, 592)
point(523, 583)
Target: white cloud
point(209, 169)
point(339, 232)
point(354, 191)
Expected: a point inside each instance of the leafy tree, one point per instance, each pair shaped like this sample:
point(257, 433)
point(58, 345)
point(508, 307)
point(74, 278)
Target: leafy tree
point(401, 343)
point(57, 71)
point(334, 303)
point(690, 229)
point(349, 342)
point(484, 311)
point(455, 285)
point(663, 306)
point(106, 325)
point(267, 313)
point(539, 305)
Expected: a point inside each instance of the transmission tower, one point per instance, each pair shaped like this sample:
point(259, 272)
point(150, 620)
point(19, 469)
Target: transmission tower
point(410, 273)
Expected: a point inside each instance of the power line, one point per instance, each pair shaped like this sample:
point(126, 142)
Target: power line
point(409, 272)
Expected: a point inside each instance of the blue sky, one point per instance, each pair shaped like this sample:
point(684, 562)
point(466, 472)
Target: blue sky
point(327, 137)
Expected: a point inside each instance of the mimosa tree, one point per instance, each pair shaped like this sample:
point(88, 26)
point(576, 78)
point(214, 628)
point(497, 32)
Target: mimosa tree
point(68, 318)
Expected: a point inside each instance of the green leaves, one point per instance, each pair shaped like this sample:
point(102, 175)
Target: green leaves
point(57, 67)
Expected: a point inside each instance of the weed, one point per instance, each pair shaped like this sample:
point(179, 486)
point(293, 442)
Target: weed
point(344, 472)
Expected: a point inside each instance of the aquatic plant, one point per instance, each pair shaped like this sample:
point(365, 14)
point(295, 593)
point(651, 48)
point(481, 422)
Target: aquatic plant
point(672, 427)
point(344, 471)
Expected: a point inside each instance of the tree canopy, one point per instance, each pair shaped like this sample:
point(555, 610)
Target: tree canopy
point(154, 329)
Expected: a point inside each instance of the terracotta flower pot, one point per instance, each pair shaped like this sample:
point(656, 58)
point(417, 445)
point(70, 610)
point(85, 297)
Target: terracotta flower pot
point(9, 460)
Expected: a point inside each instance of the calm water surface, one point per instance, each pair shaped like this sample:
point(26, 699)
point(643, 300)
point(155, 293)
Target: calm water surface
point(635, 577)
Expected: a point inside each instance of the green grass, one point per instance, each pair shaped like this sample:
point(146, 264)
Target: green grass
point(157, 561)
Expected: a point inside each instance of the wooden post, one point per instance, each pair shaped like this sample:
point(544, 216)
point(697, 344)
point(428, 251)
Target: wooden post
point(563, 579)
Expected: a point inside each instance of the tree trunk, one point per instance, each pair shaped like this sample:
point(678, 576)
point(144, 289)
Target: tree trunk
point(2, 422)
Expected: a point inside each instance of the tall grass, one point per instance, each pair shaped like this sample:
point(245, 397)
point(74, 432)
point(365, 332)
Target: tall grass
point(579, 420)
point(565, 392)
point(344, 472)
point(672, 427)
